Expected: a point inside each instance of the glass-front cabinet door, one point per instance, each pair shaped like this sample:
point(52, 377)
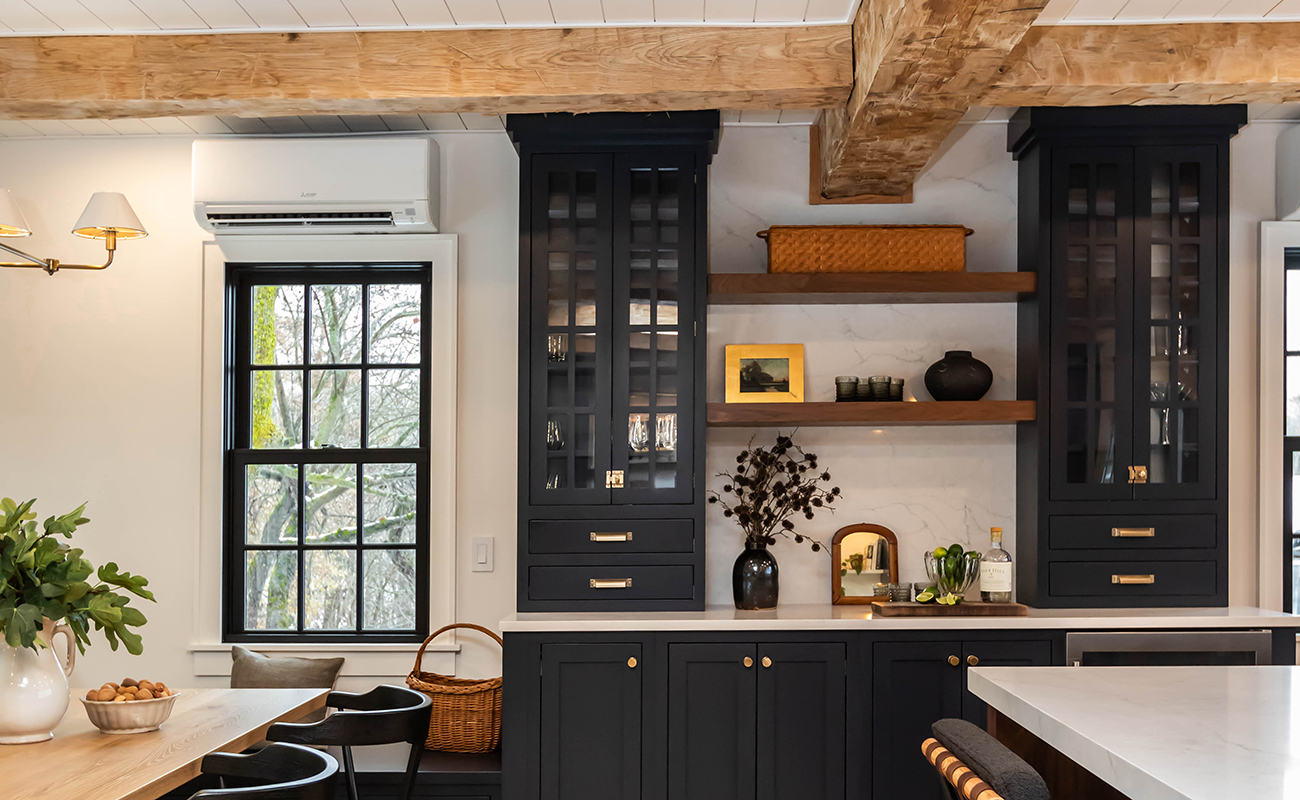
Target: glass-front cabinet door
point(612, 345)
point(654, 241)
point(1175, 252)
point(1092, 267)
point(569, 346)
point(1133, 260)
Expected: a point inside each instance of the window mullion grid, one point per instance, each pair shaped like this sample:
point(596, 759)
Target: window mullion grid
point(305, 456)
point(359, 553)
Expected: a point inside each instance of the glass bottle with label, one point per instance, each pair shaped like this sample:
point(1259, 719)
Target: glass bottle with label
point(995, 571)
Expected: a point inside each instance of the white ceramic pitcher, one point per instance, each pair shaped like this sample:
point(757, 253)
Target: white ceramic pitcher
point(34, 687)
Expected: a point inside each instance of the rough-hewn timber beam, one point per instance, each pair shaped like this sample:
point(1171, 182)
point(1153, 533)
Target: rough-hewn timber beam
point(919, 65)
point(1202, 64)
point(405, 72)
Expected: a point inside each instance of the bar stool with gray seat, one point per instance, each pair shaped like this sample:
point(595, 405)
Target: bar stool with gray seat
point(276, 772)
point(973, 765)
point(383, 715)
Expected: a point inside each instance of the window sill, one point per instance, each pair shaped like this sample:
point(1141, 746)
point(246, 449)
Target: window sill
point(360, 660)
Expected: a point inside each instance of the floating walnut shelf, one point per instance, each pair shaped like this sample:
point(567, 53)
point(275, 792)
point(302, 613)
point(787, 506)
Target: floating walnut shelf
point(761, 288)
point(762, 415)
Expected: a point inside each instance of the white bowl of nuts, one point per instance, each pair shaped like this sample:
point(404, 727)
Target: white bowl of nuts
point(130, 706)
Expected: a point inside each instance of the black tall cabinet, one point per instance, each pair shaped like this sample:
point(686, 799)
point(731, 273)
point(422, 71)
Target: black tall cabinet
point(613, 265)
point(1122, 479)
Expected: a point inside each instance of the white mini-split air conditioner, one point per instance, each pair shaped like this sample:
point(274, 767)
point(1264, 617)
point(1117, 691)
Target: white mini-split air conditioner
point(327, 185)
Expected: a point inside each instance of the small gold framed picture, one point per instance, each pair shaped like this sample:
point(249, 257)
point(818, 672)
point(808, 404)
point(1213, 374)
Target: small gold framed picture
point(764, 373)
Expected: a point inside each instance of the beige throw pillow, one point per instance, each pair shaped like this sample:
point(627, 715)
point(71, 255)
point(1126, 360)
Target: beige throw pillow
point(252, 670)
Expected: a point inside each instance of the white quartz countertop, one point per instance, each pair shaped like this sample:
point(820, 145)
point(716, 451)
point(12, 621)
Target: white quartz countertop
point(1162, 733)
point(823, 617)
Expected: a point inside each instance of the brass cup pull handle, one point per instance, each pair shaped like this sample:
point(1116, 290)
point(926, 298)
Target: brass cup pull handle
point(1133, 533)
point(623, 536)
point(974, 661)
point(767, 662)
point(1132, 580)
point(631, 662)
point(954, 661)
point(748, 662)
point(611, 583)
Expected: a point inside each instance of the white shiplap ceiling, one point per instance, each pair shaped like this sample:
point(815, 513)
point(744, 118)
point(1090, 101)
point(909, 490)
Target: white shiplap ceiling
point(1139, 12)
point(307, 126)
point(69, 17)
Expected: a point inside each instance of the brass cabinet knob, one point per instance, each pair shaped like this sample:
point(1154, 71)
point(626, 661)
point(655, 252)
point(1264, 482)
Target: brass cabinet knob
point(749, 662)
point(767, 662)
point(631, 662)
point(954, 660)
point(974, 661)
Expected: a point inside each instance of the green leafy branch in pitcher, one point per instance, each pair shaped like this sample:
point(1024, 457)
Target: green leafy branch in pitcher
point(44, 578)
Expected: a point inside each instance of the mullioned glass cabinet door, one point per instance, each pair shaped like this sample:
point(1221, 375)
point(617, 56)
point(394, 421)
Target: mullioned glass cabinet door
point(653, 321)
point(1091, 409)
point(1174, 365)
point(569, 344)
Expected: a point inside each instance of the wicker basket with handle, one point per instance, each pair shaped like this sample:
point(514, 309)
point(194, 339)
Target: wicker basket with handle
point(866, 248)
point(466, 715)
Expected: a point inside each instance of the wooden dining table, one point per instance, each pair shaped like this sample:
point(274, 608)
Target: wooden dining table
point(81, 763)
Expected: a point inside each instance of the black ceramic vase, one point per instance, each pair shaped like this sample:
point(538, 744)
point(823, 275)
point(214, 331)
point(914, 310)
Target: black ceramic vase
point(958, 376)
point(754, 579)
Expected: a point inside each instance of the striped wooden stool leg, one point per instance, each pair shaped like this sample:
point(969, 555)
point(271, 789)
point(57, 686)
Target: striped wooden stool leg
point(967, 783)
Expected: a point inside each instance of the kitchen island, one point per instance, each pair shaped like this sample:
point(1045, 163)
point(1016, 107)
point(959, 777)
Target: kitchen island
point(1156, 733)
point(816, 702)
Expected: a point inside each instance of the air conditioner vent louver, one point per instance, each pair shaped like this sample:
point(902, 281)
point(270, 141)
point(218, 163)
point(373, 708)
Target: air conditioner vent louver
point(318, 219)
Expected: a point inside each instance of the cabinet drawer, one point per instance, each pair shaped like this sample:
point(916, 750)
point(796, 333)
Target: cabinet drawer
point(1136, 579)
point(596, 582)
point(1132, 531)
point(611, 536)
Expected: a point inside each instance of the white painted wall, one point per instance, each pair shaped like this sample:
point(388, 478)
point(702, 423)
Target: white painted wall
point(99, 372)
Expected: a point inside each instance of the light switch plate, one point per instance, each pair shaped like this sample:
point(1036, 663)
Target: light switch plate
point(481, 555)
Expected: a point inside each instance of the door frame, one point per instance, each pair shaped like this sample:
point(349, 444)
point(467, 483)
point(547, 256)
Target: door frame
point(1275, 238)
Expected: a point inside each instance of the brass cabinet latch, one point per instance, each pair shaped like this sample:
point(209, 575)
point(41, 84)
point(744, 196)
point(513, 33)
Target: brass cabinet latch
point(614, 479)
point(1137, 474)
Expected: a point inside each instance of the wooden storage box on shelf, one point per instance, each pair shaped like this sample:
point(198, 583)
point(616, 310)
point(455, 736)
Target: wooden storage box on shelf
point(866, 248)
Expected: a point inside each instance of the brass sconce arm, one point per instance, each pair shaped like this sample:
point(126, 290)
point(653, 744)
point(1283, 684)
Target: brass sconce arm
point(53, 265)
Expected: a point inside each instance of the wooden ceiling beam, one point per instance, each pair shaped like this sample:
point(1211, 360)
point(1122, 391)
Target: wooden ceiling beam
point(410, 72)
point(1200, 64)
point(919, 65)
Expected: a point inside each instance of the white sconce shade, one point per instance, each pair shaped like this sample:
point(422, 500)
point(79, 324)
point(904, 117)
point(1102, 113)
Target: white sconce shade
point(12, 222)
point(108, 212)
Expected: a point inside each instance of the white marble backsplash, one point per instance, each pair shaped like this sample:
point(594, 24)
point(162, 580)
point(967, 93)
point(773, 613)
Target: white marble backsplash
point(930, 485)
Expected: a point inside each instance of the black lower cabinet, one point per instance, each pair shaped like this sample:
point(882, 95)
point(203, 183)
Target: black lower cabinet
point(591, 721)
point(711, 721)
point(731, 715)
point(918, 682)
point(756, 721)
point(801, 721)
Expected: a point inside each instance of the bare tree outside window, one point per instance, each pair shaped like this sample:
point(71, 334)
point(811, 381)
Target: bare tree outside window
point(332, 465)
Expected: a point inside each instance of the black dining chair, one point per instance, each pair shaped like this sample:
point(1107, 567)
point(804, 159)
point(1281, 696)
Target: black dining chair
point(383, 715)
point(276, 772)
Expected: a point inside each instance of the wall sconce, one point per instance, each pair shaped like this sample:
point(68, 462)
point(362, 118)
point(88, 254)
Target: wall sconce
point(107, 216)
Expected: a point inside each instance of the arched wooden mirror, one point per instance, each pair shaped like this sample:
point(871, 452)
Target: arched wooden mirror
point(862, 555)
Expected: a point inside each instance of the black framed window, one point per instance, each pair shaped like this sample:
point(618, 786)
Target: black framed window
point(1291, 442)
point(328, 454)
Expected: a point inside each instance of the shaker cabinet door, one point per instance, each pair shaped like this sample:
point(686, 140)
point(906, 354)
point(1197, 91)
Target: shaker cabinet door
point(711, 734)
point(591, 721)
point(801, 722)
point(913, 686)
point(998, 654)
